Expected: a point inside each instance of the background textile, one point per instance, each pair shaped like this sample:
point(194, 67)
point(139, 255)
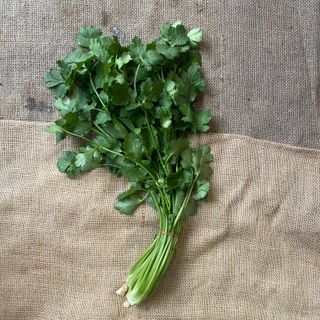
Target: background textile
point(252, 252)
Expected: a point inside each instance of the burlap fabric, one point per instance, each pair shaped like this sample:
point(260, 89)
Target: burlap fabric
point(261, 58)
point(252, 252)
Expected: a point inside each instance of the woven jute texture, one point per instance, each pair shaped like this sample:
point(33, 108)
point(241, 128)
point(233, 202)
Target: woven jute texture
point(252, 252)
point(261, 57)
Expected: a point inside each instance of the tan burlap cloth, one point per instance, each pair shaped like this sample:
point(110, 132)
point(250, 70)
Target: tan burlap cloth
point(252, 252)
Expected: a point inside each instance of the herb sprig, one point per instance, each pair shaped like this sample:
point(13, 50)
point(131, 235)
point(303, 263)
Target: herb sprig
point(134, 107)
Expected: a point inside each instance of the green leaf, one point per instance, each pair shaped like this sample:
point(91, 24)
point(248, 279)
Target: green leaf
point(148, 142)
point(120, 78)
point(133, 146)
point(120, 94)
point(104, 97)
point(185, 178)
point(164, 29)
point(136, 49)
point(60, 91)
point(58, 130)
point(66, 160)
point(184, 48)
point(53, 78)
point(66, 70)
point(173, 179)
point(82, 127)
point(132, 106)
point(86, 34)
point(128, 122)
point(151, 89)
point(76, 123)
point(201, 159)
point(59, 79)
point(150, 200)
point(100, 47)
point(150, 59)
point(165, 115)
point(177, 146)
point(123, 59)
point(195, 36)
point(176, 35)
point(185, 92)
point(194, 76)
point(87, 107)
point(166, 50)
point(102, 74)
point(201, 190)
point(202, 119)
point(103, 142)
point(187, 113)
point(113, 130)
point(65, 106)
point(53, 128)
point(88, 159)
point(176, 23)
point(146, 89)
point(191, 208)
point(157, 89)
point(171, 88)
point(102, 117)
point(186, 159)
point(127, 204)
point(134, 189)
point(78, 56)
point(60, 136)
point(66, 164)
point(133, 174)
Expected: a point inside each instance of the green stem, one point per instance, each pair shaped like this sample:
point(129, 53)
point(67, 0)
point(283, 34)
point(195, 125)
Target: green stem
point(146, 170)
point(145, 275)
point(76, 135)
point(101, 131)
point(101, 110)
point(95, 91)
point(155, 201)
point(168, 157)
point(135, 80)
point(111, 151)
point(155, 143)
point(185, 201)
point(160, 157)
point(162, 77)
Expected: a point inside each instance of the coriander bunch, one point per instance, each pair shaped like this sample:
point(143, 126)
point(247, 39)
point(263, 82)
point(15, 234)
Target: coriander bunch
point(133, 108)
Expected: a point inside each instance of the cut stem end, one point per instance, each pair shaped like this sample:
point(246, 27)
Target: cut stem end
point(122, 290)
point(126, 304)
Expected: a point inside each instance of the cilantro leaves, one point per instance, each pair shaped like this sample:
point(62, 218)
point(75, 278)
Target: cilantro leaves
point(133, 107)
point(86, 34)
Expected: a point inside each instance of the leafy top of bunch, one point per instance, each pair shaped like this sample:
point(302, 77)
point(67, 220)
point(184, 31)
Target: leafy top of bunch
point(133, 106)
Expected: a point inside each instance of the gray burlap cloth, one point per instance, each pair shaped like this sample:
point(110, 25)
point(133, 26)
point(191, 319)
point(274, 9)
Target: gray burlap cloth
point(260, 58)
